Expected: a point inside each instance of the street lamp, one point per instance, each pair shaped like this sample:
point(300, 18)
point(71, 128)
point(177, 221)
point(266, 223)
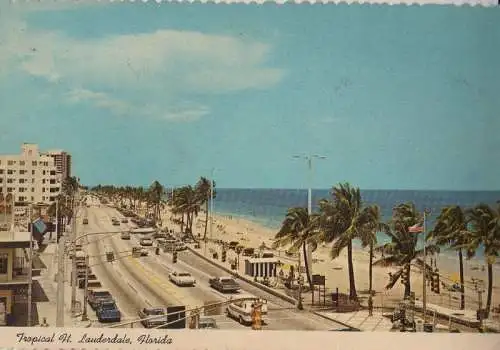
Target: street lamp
point(309, 159)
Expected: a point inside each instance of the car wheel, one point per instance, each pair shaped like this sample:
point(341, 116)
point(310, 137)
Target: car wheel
point(240, 319)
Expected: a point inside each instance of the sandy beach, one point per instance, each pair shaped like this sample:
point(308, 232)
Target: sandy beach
point(251, 234)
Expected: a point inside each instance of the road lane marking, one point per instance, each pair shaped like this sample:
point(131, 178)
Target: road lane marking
point(131, 287)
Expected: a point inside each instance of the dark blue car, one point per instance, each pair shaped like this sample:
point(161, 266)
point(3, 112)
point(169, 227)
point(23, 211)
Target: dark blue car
point(107, 311)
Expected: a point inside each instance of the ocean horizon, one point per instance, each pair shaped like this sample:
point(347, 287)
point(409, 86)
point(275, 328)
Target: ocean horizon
point(268, 207)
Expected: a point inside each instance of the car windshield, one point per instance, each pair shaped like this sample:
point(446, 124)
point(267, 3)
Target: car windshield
point(155, 312)
point(102, 294)
point(183, 274)
point(108, 306)
point(227, 280)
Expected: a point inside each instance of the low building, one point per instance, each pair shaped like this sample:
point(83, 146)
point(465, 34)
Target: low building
point(14, 271)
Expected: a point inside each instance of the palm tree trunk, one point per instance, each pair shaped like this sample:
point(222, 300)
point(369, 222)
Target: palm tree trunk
point(462, 288)
point(370, 270)
point(206, 221)
point(490, 289)
point(306, 265)
point(352, 282)
point(408, 282)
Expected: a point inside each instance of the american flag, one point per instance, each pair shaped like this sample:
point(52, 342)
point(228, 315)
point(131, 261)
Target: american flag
point(417, 228)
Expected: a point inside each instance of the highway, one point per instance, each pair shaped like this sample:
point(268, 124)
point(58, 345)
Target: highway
point(137, 283)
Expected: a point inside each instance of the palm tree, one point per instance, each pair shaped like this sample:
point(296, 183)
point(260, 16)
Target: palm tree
point(347, 221)
point(484, 230)
point(203, 190)
point(371, 223)
point(402, 250)
point(451, 230)
point(299, 229)
point(156, 192)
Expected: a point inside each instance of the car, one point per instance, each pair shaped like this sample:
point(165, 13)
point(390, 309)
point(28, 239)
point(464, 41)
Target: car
point(140, 250)
point(161, 240)
point(179, 246)
point(107, 311)
point(207, 323)
point(90, 280)
point(125, 235)
point(241, 310)
point(224, 284)
point(97, 296)
point(145, 313)
point(181, 278)
point(146, 242)
point(85, 221)
point(124, 221)
point(116, 222)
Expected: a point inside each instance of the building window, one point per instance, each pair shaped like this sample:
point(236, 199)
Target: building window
point(52, 182)
point(53, 172)
point(33, 163)
point(32, 198)
point(10, 171)
point(43, 181)
point(21, 189)
point(22, 162)
point(4, 263)
point(43, 172)
point(32, 172)
point(32, 181)
point(21, 199)
point(9, 189)
point(43, 189)
point(32, 189)
point(10, 162)
point(21, 181)
point(52, 199)
point(22, 172)
point(1, 171)
point(9, 181)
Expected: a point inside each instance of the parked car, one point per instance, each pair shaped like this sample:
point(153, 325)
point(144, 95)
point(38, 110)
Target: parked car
point(85, 221)
point(146, 242)
point(97, 296)
point(181, 278)
point(150, 312)
point(142, 251)
point(241, 310)
point(125, 235)
point(224, 284)
point(179, 246)
point(124, 221)
point(116, 222)
point(207, 323)
point(107, 311)
point(81, 281)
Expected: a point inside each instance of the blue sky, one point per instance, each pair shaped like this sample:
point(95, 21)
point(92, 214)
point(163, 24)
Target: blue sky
point(395, 97)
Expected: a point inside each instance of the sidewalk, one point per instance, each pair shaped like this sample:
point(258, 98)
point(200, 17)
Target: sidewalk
point(48, 282)
point(360, 320)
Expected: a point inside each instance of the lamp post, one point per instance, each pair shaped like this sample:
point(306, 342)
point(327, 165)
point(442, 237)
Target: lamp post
point(309, 159)
point(30, 268)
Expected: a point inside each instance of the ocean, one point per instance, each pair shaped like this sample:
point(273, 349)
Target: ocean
point(268, 206)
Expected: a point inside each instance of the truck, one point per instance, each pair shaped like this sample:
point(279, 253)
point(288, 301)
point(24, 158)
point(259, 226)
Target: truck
point(107, 311)
point(241, 309)
point(153, 321)
point(224, 284)
point(97, 296)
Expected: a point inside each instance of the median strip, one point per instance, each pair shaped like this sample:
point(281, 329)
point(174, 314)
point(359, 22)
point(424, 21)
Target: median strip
point(246, 279)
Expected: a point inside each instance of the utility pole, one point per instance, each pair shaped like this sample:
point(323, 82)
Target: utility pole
point(74, 236)
point(60, 273)
point(30, 268)
point(86, 288)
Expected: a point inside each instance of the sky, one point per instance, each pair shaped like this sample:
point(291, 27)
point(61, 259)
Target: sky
point(394, 97)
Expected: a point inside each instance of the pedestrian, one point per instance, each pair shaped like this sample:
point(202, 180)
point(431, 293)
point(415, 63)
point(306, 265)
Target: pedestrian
point(44, 323)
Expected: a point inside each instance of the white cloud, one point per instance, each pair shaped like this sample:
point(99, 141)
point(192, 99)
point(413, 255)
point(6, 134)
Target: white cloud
point(155, 68)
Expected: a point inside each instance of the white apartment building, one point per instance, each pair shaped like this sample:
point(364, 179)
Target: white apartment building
point(31, 177)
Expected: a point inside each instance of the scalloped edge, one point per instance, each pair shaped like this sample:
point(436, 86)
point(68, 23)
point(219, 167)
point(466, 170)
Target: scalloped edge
point(459, 3)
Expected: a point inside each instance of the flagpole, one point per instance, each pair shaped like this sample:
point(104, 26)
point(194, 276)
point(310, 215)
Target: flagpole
point(424, 277)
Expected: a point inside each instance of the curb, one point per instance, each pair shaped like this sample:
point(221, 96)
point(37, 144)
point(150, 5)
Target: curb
point(336, 321)
point(247, 280)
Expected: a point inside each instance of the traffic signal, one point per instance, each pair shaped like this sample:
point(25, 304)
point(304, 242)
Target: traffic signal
point(435, 282)
point(404, 275)
point(223, 259)
point(174, 257)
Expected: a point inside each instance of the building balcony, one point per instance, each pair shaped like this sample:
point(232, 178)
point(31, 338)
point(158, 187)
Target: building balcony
point(20, 272)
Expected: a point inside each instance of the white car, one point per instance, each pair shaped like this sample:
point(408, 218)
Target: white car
point(146, 242)
point(182, 278)
point(241, 310)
